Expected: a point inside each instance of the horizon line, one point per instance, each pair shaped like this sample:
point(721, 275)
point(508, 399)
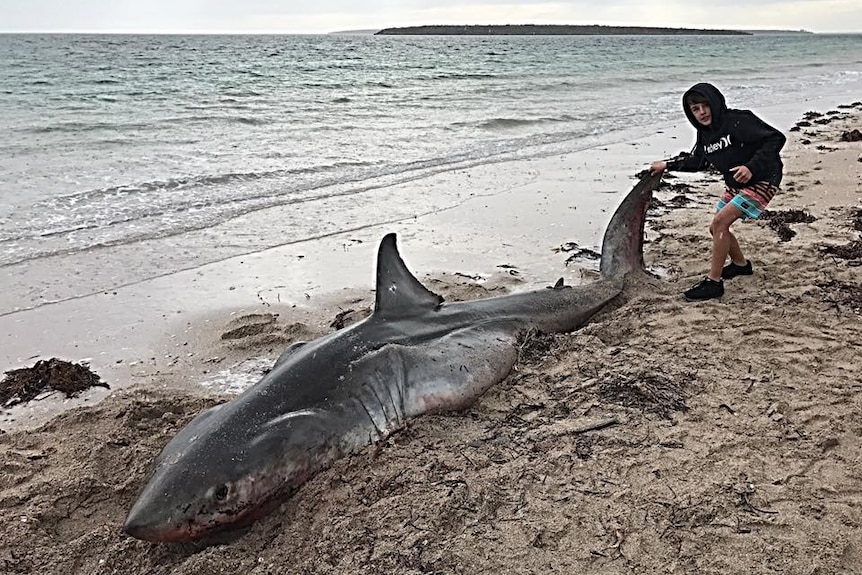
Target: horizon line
point(368, 31)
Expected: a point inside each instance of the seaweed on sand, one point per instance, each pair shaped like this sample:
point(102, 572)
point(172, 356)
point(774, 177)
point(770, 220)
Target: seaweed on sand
point(652, 392)
point(780, 220)
point(22, 385)
point(534, 346)
point(841, 293)
point(849, 251)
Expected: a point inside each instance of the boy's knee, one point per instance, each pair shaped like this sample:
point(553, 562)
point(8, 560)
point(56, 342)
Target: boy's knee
point(719, 224)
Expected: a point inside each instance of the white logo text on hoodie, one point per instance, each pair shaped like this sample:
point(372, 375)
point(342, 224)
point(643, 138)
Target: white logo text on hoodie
point(722, 143)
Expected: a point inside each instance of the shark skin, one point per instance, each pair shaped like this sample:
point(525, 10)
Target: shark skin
point(327, 398)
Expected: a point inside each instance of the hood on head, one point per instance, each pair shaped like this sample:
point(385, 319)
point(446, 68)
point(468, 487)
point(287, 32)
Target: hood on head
point(716, 104)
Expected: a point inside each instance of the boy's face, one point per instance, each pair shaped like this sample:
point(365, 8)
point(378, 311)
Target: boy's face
point(702, 113)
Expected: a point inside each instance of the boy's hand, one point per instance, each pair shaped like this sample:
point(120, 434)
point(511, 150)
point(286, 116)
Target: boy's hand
point(657, 167)
point(741, 174)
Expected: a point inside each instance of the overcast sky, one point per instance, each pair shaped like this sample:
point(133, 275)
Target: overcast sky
point(320, 16)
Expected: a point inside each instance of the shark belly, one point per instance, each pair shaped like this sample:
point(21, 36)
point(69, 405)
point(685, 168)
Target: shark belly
point(399, 382)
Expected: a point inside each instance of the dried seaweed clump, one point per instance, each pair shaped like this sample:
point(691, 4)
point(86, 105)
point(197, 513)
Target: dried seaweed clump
point(650, 392)
point(851, 136)
point(779, 221)
point(678, 187)
point(579, 252)
point(678, 201)
point(22, 385)
point(850, 251)
point(534, 346)
point(843, 293)
point(857, 219)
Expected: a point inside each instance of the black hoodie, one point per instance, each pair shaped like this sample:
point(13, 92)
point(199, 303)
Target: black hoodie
point(733, 138)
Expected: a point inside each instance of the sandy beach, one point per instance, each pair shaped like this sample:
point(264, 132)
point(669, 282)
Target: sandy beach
point(736, 443)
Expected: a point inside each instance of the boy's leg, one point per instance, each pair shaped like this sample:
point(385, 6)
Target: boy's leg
point(736, 255)
point(722, 239)
point(749, 203)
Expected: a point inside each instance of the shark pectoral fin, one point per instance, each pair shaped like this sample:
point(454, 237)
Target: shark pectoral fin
point(451, 372)
point(399, 293)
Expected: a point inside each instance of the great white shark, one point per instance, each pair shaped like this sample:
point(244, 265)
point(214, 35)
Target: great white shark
point(326, 398)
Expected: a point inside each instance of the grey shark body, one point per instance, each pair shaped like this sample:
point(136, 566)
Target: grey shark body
point(327, 398)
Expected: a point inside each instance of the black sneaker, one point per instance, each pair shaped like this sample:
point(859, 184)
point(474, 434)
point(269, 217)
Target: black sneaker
point(732, 270)
point(706, 289)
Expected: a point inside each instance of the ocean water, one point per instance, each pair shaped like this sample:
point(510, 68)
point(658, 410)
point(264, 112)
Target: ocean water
point(118, 141)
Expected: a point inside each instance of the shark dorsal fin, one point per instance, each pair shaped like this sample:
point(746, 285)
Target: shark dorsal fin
point(399, 293)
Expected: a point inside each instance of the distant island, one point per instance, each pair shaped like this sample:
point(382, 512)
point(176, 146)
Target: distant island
point(779, 32)
point(363, 32)
point(550, 30)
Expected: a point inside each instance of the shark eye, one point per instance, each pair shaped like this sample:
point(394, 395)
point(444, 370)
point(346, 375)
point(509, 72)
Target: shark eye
point(221, 492)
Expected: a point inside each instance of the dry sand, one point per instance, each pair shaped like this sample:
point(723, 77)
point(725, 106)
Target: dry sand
point(736, 447)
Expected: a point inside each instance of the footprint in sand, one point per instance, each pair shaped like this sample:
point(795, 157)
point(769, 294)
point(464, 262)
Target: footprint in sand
point(260, 329)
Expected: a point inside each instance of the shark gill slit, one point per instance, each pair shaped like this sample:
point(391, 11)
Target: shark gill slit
point(373, 387)
point(401, 373)
point(368, 413)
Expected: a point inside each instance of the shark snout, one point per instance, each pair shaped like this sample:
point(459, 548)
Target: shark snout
point(146, 523)
point(157, 533)
point(139, 528)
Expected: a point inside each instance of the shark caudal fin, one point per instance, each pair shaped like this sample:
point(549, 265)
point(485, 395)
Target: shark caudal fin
point(622, 247)
point(399, 293)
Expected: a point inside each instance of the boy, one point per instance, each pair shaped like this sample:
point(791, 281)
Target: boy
point(745, 149)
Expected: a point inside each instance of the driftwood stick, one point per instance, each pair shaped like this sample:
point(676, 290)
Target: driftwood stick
point(596, 426)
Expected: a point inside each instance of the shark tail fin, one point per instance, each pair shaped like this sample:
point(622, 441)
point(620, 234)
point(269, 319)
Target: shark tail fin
point(399, 293)
point(622, 246)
